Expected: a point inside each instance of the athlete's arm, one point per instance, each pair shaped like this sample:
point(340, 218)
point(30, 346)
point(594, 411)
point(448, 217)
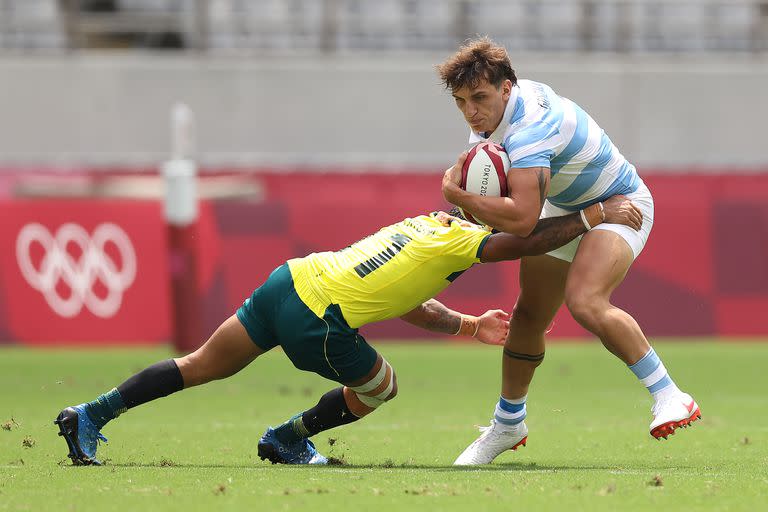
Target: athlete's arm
point(491, 327)
point(555, 232)
point(517, 213)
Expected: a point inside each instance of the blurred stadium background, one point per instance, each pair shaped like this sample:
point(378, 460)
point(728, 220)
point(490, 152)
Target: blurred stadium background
point(309, 124)
point(317, 121)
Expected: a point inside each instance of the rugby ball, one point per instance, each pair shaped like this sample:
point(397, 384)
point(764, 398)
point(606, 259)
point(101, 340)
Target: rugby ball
point(485, 173)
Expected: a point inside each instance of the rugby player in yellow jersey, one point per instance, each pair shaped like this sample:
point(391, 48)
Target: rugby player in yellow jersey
point(313, 306)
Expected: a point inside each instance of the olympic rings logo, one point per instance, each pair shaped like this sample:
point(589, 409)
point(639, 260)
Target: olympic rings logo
point(93, 265)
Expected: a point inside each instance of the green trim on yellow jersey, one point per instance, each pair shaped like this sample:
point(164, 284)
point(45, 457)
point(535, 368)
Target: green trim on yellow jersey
point(389, 273)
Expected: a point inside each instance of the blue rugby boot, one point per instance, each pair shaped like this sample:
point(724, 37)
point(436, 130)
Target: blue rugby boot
point(300, 452)
point(81, 435)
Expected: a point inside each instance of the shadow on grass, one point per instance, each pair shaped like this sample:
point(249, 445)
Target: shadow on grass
point(522, 467)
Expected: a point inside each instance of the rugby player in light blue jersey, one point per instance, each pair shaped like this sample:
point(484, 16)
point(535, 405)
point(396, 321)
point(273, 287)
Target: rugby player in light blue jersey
point(562, 162)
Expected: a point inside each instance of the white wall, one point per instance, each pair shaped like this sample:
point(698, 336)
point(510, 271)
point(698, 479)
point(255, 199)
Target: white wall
point(113, 109)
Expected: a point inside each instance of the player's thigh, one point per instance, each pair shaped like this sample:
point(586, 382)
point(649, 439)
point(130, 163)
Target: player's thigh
point(351, 359)
point(341, 358)
point(324, 345)
point(542, 285)
point(599, 266)
point(227, 351)
point(260, 311)
point(242, 337)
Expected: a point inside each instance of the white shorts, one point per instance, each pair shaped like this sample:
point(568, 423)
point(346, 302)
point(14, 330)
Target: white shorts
point(636, 239)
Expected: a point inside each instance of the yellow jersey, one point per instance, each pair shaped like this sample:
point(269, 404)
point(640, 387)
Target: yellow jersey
point(390, 272)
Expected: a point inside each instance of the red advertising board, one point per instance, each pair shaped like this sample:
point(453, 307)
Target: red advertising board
point(91, 271)
point(84, 271)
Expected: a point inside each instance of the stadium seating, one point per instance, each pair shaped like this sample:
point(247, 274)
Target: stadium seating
point(31, 25)
point(387, 25)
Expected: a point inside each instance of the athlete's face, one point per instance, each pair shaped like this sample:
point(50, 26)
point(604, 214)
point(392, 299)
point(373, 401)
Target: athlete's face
point(483, 106)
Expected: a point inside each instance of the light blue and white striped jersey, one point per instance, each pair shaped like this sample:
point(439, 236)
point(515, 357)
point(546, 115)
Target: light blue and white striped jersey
point(541, 129)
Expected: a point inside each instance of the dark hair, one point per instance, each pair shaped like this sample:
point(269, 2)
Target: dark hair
point(477, 60)
point(455, 212)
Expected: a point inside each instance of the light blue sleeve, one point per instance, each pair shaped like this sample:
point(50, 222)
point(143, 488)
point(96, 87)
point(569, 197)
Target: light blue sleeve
point(533, 146)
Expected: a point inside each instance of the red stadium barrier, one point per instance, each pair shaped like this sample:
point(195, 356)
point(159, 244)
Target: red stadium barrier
point(83, 271)
point(702, 273)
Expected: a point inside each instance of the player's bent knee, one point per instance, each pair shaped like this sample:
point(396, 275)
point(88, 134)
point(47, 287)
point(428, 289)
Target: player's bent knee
point(529, 318)
point(369, 396)
point(584, 307)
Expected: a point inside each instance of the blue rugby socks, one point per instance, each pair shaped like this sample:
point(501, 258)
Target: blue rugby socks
point(106, 407)
point(510, 412)
point(292, 430)
point(654, 376)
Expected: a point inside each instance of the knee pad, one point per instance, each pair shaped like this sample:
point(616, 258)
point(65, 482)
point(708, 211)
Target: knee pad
point(376, 391)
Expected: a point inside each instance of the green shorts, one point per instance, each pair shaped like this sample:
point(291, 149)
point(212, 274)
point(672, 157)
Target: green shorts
point(275, 315)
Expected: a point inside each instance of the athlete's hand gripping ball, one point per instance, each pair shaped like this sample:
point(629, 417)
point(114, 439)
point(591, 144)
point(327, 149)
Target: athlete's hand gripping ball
point(493, 326)
point(452, 179)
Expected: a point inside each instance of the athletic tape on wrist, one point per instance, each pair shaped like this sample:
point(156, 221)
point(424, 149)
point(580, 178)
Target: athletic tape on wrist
point(469, 326)
point(594, 211)
point(584, 220)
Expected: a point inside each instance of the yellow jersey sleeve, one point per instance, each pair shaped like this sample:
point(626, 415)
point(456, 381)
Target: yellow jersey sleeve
point(390, 272)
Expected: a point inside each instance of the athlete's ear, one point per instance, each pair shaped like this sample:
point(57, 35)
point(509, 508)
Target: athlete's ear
point(506, 89)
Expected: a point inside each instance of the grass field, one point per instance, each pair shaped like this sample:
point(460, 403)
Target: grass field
point(588, 447)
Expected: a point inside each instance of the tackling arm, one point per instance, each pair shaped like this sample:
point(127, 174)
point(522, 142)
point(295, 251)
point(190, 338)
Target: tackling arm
point(555, 232)
point(491, 327)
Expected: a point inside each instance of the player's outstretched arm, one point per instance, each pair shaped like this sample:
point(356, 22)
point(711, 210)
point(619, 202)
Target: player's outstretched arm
point(491, 327)
point(555, 232)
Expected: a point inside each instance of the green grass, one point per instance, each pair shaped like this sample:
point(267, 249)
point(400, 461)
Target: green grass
point(588, 449)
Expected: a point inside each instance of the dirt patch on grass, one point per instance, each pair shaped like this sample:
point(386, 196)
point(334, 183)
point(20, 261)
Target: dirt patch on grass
point(10, 424)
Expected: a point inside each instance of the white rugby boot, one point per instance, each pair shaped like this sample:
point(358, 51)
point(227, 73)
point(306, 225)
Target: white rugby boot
point(672, 412)
point(492, 442)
